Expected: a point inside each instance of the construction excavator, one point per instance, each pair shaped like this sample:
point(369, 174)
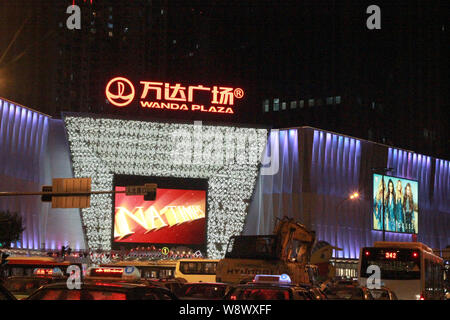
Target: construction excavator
point(286, 251)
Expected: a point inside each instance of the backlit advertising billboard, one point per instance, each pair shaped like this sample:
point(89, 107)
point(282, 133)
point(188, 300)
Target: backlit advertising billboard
point(176, 217)
point(396, 203)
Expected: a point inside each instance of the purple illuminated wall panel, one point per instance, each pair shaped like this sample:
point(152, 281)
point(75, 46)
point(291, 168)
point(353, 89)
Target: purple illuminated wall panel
point(23, 138)
point(319, 169)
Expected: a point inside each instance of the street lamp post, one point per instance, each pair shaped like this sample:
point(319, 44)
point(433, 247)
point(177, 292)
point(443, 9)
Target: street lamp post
point(353, 196)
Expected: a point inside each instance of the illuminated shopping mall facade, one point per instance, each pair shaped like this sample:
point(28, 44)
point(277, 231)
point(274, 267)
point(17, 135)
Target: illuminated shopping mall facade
point(254, 175)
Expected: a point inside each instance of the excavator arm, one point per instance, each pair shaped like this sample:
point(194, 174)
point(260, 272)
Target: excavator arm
point(288, 230)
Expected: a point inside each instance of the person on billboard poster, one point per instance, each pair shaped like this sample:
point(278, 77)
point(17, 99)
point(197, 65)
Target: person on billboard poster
point(390, 207)
point(408, 203)
point(378, 207)
point(399, 207)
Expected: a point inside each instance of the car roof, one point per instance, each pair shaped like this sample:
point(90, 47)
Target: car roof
point(99, 284)
point(269, 285)
point(35, 277)
point(344, 286)
point(206, 283)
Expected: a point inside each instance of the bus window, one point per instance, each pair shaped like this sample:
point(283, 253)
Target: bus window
point(197, 271)
point(198, 267)
point(402, 267)
point(209, 267)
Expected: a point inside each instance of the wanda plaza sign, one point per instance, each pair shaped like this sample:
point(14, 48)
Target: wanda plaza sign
point(163, 95)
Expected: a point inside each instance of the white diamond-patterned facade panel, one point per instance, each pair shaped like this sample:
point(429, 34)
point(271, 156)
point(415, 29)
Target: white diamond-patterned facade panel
point(228, 156)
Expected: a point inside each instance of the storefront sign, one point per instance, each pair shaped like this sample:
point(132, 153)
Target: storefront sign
point(173, 96)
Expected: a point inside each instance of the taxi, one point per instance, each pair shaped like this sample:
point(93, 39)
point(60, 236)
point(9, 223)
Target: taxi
point(269, 287)
point(121, 274)
point(104, 283)
point(102, 290)
point(23, 286)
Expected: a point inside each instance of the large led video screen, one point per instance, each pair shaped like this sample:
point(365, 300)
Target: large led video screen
point(177, 216)
point(396, 202)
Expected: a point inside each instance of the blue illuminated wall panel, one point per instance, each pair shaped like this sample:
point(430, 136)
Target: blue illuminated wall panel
point(23, 137)
point(319, 169)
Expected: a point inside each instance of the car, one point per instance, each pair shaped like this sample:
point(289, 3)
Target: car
point(347, 292)
point(5, 294)
point(203, 291)
point(102, 290)
point(257, 291)
point(383, 294)
point(270, 287)
point(173, 284)
point(21, 287)
point(315, 292)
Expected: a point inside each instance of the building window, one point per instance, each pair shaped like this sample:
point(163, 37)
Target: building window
point(293, 104)
point(338, 99)
point(276, 104)
point(373, 105)
point(110, 33)
point(311, 102)
point(266, 105)
point(283, 106)
point(110, 25)
point(302, 104)
point(329, 100)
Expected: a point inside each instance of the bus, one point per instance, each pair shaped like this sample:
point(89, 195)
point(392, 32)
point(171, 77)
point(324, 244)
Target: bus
point(157, 269)
point(197, 270)
point(410, 269)
point(25, 266)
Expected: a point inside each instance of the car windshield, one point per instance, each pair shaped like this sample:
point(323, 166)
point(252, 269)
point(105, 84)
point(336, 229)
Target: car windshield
point(66, 294)
point(380, 294)
point(211, 291)
point(344, 293)
point(261, 294)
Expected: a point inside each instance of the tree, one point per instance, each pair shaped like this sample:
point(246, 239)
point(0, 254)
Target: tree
point(11, 228)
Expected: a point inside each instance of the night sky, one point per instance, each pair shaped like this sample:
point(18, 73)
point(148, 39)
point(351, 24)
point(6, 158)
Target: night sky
point(286, 49)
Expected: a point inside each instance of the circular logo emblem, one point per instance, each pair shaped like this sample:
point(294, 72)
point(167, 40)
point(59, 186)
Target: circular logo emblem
point(165, 251)
point(129, 270)
point(238, 93)
point(120, 91)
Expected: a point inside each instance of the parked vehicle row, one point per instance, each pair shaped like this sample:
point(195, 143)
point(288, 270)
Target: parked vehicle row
point(125, 283)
